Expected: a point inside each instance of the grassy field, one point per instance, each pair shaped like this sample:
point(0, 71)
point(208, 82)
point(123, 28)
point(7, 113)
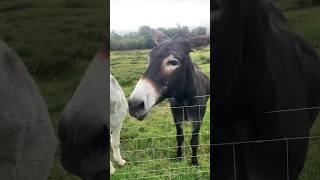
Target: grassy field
point(57, 40)
point(149, 146)
point(306, 22)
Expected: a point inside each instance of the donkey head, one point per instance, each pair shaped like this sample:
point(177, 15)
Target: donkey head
point(166, 73)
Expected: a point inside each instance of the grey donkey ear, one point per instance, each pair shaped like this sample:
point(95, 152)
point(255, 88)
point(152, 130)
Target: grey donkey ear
point(159, 37)
point(199, 42)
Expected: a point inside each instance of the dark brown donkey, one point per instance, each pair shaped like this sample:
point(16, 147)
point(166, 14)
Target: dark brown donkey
point(171, 74)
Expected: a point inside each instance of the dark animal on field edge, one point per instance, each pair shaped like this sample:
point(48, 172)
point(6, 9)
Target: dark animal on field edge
point(260, 64)
point(171, 74)
point(84, 124)
point(27, 139)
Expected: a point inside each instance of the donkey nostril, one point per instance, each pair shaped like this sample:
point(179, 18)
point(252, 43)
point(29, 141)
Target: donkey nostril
point(140, 105)
point(136, 105)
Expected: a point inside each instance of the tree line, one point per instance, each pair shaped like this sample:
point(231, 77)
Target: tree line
point(297, 4)
point(143, 38)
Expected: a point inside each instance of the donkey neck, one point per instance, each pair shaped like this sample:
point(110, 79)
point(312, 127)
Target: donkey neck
point(189, 89)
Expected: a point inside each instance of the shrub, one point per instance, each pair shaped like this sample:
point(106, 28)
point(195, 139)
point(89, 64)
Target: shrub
point(75, 3)
point(296, 4)
point(6, 6)
point(316, 2)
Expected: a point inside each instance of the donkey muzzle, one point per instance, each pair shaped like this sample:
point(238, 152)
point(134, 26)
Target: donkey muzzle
point(142, 99)
point(137, 108)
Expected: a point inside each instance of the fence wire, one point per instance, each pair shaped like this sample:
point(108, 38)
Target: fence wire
point(284, 139)
point(153, 155)
point(173, 172)
point(188, 168)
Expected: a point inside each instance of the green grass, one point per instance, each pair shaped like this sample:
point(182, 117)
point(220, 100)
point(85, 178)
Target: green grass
point(155, 147)
point(297, 4)
point(56, 41)
point(306, 22)
point(311, 170)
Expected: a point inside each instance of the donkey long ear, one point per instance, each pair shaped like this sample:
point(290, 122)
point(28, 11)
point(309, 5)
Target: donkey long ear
point(199, 42)
point(159, 37)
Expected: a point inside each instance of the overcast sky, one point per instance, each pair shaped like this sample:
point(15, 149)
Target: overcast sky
point(129, 15)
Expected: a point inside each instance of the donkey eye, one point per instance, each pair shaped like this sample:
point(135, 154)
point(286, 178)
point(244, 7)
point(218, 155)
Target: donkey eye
point(173, 62)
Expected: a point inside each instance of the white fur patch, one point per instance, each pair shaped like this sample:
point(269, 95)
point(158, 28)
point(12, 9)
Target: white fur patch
point(166, 67)
point(146, 92)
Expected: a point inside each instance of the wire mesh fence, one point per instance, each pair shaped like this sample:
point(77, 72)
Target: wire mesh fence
point(144, 157)
point(311, 169)
point(149, 146)
point(314, 152)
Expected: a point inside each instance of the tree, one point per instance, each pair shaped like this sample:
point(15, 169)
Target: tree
point(199, 31)
point(143, 38)
point(145, 32)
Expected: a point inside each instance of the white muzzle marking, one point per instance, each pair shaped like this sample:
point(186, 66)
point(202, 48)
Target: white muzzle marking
point(146, 92)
